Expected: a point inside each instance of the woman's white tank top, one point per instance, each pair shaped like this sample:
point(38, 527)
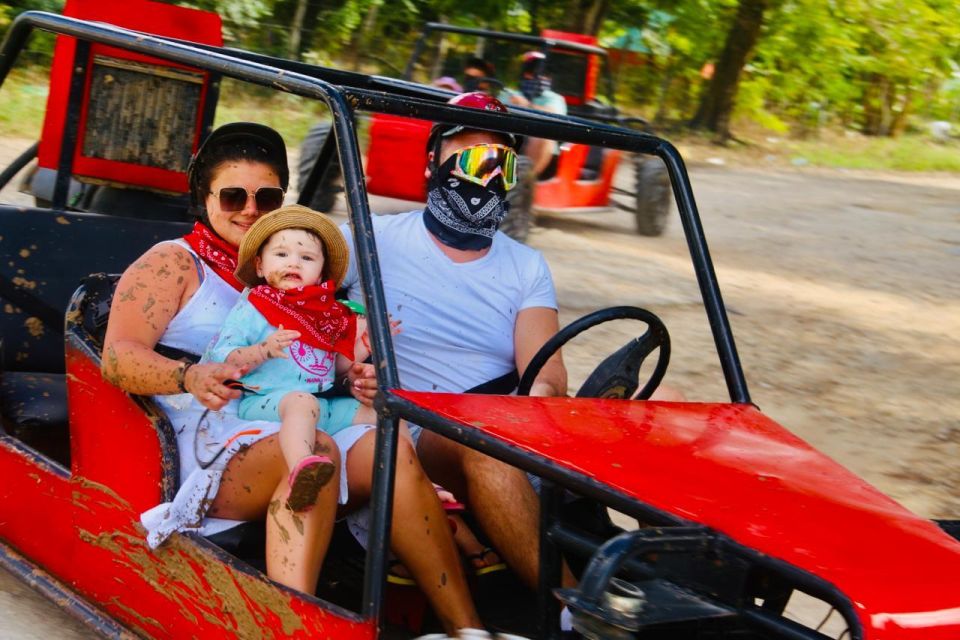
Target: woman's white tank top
point(199, 320)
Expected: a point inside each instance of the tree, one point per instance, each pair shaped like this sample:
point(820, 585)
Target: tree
point(586, 16)
point(716, 105)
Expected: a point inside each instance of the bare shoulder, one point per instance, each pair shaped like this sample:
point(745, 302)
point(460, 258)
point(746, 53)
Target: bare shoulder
point(165, 267)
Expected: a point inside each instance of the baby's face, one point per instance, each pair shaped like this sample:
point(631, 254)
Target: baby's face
point(291, 258)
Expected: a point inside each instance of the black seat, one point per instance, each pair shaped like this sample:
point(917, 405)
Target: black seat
point(592, 164)
point(44, 254)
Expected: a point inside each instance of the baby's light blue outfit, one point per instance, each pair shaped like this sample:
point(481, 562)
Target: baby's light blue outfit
point(307, 369)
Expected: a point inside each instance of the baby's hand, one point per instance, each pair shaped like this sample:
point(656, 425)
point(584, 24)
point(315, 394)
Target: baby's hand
point(365, 335)
point(395, 327)
point(277, 343)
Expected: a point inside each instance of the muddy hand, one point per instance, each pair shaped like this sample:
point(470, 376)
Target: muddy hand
point(205, 382)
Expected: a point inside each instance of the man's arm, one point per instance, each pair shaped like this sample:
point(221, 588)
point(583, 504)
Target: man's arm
point(534, 326)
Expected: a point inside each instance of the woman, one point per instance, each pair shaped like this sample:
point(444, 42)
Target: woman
point(177, 296)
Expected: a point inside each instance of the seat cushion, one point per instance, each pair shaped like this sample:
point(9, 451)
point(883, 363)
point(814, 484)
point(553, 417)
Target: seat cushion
point(33, 409)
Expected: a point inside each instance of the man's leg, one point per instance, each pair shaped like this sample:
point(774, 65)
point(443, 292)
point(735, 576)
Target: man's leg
point(499, 497)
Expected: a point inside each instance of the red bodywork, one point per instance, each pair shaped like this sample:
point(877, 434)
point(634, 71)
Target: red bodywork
point(82, 528)
point(566, 189)
point(593, 63)
point(397, 157)
point(732, 469)
point(140, 15)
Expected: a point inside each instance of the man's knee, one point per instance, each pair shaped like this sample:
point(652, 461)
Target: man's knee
point(479, 467)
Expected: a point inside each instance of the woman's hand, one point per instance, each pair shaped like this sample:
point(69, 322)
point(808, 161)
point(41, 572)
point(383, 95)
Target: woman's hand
point(205, 382)
point(362, 380)
point(279, 341)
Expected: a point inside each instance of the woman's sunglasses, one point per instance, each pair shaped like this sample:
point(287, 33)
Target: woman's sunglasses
point(483, 162)
point(235, 198)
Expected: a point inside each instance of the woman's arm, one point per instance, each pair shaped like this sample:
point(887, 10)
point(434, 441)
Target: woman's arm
point(148, 296)
point(534, 326)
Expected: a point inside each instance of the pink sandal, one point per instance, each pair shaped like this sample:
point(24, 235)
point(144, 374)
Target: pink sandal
point(447, 500)
point(310, 475)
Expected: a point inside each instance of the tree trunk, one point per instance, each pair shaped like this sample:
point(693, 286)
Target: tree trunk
point(717, 103)
point(872, 95)
point(586, 16)
point(899, 123)
point(665, 82)
point(361, 40)
point(594, 16)
point(296, 30)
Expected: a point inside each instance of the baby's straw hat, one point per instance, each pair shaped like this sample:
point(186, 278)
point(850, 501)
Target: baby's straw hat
point(293, 216)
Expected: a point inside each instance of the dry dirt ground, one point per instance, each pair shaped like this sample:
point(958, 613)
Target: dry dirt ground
point(843, 290)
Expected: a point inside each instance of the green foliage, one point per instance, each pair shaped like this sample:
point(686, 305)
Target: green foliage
point(875, 66)
point(863, 63)
point(24, 100)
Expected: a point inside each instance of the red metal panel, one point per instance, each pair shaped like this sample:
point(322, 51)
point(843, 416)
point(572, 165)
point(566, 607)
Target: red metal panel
point(84, 530)
point(397, 157)
point(593, 64)
point(86, 535)
point(141, 15)
point(732, 468)
point(112, 442)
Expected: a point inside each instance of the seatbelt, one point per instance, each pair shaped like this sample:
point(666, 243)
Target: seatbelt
point(502, 386)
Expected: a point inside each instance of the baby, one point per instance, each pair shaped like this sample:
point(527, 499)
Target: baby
point(292, 335)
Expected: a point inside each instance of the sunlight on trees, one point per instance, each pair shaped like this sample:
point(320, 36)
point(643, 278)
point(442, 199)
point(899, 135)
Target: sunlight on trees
point(874, 66)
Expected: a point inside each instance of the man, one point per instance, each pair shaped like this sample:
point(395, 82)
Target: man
point(535, 93)
point(476, 306)
point(480, 75)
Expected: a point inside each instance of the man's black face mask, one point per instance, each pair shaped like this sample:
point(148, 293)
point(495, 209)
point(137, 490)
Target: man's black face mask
point(461, 214)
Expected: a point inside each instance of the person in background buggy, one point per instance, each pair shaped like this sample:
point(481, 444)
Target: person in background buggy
point(480, 75)
point(535, 93)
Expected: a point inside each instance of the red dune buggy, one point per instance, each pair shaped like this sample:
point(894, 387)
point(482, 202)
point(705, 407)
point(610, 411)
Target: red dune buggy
point(737, 517)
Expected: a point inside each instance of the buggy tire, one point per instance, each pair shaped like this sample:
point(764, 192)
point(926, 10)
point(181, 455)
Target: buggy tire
point(325, 197)
point(653, 195)
point(520, 215)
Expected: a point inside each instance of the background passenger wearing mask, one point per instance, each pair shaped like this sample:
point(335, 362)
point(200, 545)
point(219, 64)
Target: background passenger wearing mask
point(535, 93)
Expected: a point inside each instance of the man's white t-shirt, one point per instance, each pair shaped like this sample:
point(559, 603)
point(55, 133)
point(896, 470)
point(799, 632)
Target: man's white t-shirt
point(458, 319)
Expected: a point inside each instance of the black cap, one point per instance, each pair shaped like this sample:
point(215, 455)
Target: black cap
point(270, 140)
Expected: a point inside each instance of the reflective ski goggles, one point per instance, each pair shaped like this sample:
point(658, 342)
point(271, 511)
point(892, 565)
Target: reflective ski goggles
point(235, 198)
point(482, 163)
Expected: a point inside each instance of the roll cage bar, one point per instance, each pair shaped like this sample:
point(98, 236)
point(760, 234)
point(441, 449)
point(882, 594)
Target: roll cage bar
point(344, 93)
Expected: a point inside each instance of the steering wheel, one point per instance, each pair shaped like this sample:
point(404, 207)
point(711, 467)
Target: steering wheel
point(618, 375)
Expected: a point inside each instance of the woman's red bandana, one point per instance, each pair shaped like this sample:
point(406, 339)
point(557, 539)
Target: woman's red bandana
point(219, 256)
point(313, 310)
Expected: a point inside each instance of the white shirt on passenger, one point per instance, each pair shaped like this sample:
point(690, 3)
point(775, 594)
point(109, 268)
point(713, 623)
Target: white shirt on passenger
point(458, 319)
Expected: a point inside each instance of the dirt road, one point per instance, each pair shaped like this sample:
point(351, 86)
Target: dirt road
point(844, 294)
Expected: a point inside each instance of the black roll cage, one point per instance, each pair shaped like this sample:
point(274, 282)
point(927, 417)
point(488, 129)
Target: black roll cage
point(344, 93)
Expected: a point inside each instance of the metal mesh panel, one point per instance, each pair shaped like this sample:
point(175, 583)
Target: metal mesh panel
point(142, 114)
